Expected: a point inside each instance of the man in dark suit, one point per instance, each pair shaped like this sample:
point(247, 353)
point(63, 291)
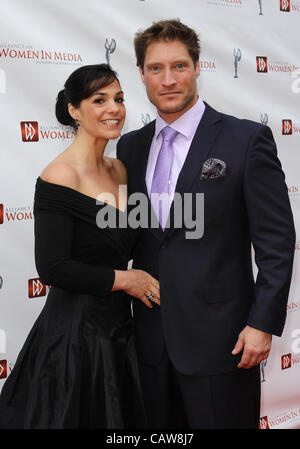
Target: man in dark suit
point(199, 352)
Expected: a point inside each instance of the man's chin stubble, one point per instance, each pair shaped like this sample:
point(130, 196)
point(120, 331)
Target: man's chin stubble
point(174, 110)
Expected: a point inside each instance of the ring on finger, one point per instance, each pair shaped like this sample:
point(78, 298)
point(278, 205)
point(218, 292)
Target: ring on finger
point(150, 296)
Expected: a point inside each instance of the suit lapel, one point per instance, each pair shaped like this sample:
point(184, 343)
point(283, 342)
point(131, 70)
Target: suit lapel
point(197, 155)
point(143, 149)
point(198, 152)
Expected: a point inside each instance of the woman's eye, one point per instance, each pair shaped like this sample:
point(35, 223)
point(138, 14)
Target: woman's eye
point(120, 100)
point(99, 100)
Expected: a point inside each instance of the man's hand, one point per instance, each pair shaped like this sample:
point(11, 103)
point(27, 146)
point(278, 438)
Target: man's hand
point(256, 344)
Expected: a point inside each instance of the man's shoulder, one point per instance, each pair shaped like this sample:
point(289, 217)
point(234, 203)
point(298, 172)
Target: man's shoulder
point(132, 141)
point(139, 133)
point(240, 123)
point(243, 129)
point(215, 115)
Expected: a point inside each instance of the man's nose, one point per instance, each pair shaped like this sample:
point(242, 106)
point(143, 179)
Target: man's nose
point(168, 78)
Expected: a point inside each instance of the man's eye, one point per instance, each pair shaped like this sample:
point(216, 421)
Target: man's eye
point(155, 68)
point(180, 66)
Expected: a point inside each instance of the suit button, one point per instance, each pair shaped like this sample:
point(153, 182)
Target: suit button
point(163, 245)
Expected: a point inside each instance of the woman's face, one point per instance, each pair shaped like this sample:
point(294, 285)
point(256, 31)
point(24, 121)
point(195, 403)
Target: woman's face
point(102, 115)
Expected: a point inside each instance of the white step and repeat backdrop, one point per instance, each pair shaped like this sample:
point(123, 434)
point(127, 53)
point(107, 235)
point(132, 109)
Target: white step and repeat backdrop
point(250, 68)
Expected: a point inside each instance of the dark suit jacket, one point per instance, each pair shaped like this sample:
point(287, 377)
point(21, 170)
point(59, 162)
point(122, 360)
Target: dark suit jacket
point(207, 289)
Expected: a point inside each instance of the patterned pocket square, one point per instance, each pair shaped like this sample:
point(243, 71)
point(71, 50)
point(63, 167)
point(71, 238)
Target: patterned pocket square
point(213, 168)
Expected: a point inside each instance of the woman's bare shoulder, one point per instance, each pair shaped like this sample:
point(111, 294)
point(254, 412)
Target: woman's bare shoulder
point(61, 173)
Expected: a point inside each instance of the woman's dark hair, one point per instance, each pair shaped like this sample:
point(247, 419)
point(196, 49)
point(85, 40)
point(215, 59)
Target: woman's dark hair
point(82, 84)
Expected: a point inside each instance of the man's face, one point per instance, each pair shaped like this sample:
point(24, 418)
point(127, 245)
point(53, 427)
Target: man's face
point(170, 78)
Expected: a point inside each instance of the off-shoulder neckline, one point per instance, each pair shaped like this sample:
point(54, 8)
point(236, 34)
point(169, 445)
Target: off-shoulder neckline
point(90, 198)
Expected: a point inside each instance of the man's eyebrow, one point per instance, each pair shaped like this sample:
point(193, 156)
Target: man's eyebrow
point(176, 61)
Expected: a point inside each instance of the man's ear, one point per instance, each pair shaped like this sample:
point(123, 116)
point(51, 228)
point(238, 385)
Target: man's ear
point(142, 74)
point(197, 68)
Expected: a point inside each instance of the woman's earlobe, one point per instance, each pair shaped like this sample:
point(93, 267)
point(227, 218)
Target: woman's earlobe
point(72, 112)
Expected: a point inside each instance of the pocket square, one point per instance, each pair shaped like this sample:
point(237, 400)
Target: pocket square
point(213, 168)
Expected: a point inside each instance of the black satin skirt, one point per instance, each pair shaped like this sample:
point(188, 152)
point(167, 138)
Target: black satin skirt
point(77, 368)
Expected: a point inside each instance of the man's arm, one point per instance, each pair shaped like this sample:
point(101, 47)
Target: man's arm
point(273, 236)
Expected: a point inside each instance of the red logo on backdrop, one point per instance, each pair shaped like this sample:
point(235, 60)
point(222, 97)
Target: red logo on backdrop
point(30, 131)
point(264, 423)
point(285, 5)
point(286, 361)
point(287, 127)
point(262, 64)
point(1, 213)
point(3, 369)
point(36, 288)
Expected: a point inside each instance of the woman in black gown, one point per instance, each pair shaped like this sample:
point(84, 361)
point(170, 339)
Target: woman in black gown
point(78, 368)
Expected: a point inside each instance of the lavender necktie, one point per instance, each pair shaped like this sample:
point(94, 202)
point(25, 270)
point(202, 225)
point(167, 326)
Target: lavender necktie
point(162, 172)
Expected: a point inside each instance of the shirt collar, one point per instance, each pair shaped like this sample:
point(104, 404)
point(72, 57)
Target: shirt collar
point(186, 124)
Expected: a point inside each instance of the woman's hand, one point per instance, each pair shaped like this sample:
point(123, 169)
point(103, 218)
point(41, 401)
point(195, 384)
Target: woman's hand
point(138, 283)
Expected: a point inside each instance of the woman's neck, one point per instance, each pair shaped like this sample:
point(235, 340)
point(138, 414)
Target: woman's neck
point(87, 151)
